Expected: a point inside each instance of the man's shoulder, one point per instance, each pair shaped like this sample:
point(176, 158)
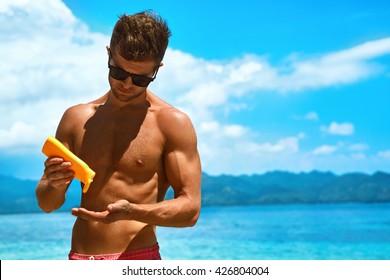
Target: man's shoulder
point(81, 108)
point(163, 109)
point(174, 123)
point(168, 116)
point(88, 107)
point(167, 113)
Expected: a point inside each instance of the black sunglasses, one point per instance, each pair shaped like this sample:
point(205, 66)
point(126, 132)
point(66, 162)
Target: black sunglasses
point(121, 75)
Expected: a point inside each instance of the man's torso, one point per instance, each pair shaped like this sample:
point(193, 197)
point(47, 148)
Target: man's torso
point(126, 150)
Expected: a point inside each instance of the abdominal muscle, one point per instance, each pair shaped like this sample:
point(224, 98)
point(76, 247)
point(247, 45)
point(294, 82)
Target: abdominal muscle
point(120, 236)
point(91, 237)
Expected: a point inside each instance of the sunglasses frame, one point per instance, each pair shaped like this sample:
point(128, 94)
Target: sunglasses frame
point(134, 77)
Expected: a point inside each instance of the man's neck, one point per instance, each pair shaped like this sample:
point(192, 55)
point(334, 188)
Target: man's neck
point(138, 101)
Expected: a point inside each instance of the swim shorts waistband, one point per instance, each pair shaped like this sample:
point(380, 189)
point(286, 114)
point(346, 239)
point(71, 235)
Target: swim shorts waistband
point(151, 253)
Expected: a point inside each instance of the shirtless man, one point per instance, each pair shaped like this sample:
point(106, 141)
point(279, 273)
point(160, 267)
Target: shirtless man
point(137, 144)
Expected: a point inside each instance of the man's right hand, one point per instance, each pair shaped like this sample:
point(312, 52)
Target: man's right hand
point(57, 172)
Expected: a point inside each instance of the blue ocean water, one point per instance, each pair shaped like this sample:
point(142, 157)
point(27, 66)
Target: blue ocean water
point(277, 232)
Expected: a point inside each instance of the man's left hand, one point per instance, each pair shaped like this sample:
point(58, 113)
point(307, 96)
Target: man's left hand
point(119, 210)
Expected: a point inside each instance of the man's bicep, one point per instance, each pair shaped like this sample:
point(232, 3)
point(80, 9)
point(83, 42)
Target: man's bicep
point(183, 169)
point(181, 157)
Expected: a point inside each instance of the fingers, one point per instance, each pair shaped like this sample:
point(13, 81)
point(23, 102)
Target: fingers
point(119, 206)
point(57, 172)
point(90, 215)
point(115, 211)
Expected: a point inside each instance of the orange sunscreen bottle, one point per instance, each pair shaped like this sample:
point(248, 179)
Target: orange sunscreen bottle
point(53, 147)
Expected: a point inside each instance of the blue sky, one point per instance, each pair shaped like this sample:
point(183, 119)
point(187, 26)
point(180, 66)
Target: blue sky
point(269, 85)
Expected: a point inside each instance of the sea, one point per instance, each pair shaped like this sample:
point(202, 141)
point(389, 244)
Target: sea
point(261, 232)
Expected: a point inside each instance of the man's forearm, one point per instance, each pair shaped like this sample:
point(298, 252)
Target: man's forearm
point(48, 197)
point(178, 212)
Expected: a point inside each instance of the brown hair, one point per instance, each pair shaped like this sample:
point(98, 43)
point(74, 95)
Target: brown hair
point(140, 37)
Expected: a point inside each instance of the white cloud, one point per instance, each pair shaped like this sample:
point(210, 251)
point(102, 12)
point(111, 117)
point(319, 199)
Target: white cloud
point(358, 147)
point(215, 129)
point(237, 155)
point(234, 130)
point(341, 67)
point(384, 154)
point(358, 156)
point(311, 116)
point(203, 82)
point(289, 145)
point(52, 61)
point(324, 150)
point(335, 128)
point(18, 134)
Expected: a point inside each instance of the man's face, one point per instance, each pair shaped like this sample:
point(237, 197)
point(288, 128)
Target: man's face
point(129, 79)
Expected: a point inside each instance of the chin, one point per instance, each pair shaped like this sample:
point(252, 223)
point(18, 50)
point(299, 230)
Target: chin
point(126, 96)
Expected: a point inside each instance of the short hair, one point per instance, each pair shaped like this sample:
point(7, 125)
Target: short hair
point(140, 37)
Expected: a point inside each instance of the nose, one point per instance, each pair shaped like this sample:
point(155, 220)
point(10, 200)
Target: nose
point(127, 83)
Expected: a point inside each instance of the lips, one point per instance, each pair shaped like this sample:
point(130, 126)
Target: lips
point(124, 91)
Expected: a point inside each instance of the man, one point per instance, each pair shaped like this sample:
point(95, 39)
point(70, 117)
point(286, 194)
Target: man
point(137, 144)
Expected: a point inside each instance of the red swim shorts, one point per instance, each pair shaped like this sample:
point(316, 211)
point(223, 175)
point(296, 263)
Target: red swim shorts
point(152, 253)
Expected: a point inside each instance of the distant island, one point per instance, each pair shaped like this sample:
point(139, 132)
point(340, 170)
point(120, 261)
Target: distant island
point(277, 187)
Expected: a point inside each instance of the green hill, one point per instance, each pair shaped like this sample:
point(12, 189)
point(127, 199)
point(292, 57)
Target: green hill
point(278, 187)
point(285, 188)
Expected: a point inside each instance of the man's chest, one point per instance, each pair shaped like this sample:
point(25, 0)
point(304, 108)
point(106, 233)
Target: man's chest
point(122, 145)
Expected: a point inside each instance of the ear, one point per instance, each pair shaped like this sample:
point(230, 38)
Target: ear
point(108, 50)
point(161, 64)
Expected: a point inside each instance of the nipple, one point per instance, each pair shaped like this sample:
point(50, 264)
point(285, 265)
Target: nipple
point(139, 163)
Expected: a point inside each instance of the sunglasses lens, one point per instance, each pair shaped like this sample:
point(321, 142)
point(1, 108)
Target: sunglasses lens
point(140, 81)
point(118, 73)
